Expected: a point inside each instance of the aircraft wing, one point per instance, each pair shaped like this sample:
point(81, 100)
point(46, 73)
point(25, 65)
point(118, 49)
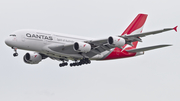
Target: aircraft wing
point(131, 37)
point(102, 45)
point(147, 48)
point(135, 37)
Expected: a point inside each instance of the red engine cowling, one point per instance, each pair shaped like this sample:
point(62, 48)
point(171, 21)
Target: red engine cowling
point(116, 41)
point(82, 47)
point(32, 58)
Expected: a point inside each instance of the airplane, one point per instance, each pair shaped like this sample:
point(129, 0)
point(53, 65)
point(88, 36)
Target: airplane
point(81, 50)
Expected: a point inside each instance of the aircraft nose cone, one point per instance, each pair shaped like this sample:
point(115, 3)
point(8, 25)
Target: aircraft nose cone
point(8, 41)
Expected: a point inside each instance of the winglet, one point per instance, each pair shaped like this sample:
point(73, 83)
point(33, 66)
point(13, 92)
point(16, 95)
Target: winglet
point(175, 28)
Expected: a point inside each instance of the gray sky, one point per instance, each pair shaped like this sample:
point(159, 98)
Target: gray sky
point(152, 77)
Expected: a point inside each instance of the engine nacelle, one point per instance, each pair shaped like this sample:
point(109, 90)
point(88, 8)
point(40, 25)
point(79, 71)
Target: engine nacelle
point(82, 47)
point(116, 41)
point(32, 58)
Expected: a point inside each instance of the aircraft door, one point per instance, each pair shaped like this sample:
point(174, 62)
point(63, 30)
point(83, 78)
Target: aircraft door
point(23, 37)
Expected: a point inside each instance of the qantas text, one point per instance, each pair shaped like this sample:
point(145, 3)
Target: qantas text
point(39, 36)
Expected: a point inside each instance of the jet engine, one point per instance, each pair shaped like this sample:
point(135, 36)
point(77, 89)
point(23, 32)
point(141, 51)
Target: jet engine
point(32, 58)
point(116, 41)
point(82, 47)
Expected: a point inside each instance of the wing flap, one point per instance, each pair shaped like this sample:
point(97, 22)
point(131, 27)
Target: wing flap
point(147, 48)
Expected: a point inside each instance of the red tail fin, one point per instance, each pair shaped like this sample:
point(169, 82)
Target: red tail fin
point(136, 26)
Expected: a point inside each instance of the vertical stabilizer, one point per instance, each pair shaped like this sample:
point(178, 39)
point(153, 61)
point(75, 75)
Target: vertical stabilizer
point(136, 27)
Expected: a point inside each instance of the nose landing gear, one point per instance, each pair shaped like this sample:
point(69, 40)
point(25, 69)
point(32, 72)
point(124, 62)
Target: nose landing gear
point(15, 54)
point(15, 50)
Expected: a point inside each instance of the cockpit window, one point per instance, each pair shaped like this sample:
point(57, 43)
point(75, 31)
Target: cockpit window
point(12, 35)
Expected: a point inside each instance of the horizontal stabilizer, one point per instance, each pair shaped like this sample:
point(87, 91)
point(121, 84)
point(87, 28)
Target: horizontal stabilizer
point(146, 48)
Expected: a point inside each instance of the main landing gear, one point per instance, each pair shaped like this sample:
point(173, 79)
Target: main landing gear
point(15, 50)
point(81, 62)
point(63, 64)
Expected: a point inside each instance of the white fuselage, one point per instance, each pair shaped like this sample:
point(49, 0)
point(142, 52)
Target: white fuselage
point(40, 41)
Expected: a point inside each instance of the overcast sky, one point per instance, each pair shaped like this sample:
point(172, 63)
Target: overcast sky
point(155, 76)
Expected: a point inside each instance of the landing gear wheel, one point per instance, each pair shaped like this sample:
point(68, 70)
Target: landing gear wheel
point(66, 63)
point(63, 64)
point(81, 62)
point(60, 65)
point(15, 50)
point(15, 54)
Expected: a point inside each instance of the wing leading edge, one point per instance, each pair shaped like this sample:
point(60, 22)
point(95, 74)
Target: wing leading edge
point(150, 33)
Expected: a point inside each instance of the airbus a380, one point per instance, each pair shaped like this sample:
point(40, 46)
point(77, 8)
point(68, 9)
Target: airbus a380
point(63, 47)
